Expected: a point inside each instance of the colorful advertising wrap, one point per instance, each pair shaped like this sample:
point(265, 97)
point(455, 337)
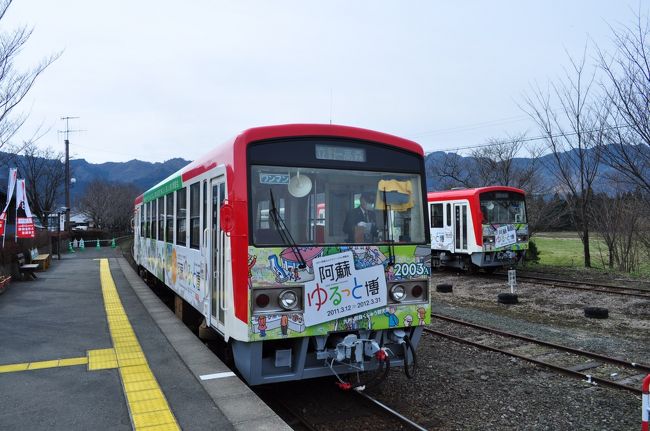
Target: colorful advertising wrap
point(24, 221)
point(340, 290)
point(11, 184)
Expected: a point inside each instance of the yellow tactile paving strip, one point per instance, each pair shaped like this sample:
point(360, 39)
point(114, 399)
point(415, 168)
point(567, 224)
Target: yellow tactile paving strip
point(147, 404)
point(102, 359)
point(26, 366)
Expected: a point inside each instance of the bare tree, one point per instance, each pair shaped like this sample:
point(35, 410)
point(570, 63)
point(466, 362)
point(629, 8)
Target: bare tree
point(618, 220)
point(574, 133)
point(455, 171)
point(109, 205)
point(44, 173)
point(627, 88)
point(15, 84)
point(499, 163)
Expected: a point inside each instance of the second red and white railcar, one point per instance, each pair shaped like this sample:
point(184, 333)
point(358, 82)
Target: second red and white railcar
point(483, 227)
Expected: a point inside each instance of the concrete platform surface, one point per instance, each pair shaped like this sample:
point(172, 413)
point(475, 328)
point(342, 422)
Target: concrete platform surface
point(87, 345)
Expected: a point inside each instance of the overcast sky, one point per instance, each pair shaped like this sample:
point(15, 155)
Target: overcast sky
point(153, 80)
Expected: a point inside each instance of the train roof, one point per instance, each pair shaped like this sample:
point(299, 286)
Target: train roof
point(224, 153)
point(467, 193)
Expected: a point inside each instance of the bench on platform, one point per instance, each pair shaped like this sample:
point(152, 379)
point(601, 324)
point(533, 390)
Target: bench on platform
point(42, 260)
point(26, 268)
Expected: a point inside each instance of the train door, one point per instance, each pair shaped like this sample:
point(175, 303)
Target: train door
point(218, 301)
point(460, 227)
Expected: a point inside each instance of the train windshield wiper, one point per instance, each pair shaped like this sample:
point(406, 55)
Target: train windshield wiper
point(388, 234)
point(284, 233)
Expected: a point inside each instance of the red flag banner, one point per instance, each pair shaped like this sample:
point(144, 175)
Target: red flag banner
point(24, 221)
point(3, 220)
point(25, 227)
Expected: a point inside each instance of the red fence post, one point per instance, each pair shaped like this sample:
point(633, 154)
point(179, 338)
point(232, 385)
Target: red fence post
point(645, 403)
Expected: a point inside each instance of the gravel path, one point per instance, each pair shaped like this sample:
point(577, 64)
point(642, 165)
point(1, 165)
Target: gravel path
point(464, 388)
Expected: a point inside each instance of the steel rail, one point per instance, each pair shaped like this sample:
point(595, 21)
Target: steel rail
point(590, 378)
point(586, 286)
point(399, 416)
point(640, 366)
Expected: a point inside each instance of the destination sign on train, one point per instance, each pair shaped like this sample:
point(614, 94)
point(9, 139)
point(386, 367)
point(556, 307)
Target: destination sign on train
point(345, 154)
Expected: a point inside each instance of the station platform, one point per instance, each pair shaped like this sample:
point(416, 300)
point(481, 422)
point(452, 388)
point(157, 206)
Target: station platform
point(87, 345)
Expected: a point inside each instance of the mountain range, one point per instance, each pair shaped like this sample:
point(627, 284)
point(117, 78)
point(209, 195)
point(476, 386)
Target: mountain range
point(144, 174)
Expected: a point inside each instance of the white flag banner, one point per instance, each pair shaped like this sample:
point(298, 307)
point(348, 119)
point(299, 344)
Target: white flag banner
point(11, 184)
point(22, 206)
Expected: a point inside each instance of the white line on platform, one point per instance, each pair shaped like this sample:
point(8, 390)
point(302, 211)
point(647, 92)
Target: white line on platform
point(217, 375)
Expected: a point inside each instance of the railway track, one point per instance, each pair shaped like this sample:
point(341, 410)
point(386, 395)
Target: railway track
point(319, 405)
point(639, 292)
point(591, 367)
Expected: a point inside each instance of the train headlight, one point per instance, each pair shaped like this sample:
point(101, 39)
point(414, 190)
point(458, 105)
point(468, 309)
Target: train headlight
point(288, 299)
point(397, 292)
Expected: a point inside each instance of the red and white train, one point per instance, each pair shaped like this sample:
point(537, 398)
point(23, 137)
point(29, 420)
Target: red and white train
point(484, 227)
point(253, 236)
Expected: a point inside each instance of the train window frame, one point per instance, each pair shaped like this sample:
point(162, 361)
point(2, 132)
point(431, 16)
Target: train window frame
point(204, 212)
point(408, 225)
point(436, 212)
point(497, 207)
point(195, 215)
point(142, 221)
point(148, 216)
point(448, 214)
point(151, 220)
point(161, 218)
point(181, 220)
point(154, 219)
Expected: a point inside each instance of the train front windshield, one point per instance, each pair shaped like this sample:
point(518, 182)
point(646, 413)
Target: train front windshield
point(333, 206)
point(503, 207)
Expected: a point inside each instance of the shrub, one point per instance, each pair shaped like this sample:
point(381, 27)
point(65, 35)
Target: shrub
point(532, 254)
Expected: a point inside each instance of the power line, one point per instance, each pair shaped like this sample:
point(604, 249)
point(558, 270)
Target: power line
point(536, 138)
point(468, 127)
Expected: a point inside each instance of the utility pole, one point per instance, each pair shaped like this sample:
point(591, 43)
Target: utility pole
point(67, 131)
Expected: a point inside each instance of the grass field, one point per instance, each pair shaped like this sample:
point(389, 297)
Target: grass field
point(564, 249)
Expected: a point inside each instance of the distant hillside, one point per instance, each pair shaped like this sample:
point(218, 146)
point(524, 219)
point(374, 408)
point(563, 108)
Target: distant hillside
point(137, 172)
point(436, 159)
point(145, 174)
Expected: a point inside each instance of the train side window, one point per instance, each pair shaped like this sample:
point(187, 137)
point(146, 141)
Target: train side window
point(205, 205)
point(161, 218)
point(149, 221)
point(143, 223)
point(169, 218)
point(154, 219)
point(448, 214)
point(436, 215)
point(152, 204)
point(181, 217)
point(195, 215)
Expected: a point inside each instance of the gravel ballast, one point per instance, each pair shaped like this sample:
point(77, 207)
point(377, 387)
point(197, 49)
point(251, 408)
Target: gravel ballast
point(459, 387)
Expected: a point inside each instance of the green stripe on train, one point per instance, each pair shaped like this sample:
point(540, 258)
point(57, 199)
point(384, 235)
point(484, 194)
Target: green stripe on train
point(163, 189)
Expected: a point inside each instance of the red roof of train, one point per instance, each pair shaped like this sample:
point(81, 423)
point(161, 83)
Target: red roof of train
point(467, 193)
